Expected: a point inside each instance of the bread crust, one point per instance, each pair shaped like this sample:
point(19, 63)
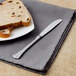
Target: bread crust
point(20, 23)
point(4, 35)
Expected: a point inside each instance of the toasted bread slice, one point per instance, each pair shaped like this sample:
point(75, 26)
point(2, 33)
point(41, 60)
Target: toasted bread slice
point(13, 13)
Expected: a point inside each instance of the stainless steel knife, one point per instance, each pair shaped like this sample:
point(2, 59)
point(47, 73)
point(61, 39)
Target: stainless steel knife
point(19, 54)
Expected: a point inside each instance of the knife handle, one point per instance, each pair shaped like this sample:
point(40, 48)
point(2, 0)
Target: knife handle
point(21, 52)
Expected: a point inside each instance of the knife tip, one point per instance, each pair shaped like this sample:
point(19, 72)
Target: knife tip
point(60, 20)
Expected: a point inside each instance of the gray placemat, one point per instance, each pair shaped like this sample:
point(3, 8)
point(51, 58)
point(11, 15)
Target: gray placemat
point(39, 57)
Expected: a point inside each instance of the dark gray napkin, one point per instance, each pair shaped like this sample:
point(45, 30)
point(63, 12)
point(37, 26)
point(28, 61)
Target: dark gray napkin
point(39, 57)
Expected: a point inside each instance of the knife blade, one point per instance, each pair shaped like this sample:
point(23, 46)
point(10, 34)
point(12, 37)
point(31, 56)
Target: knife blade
point(19, 54)
point(50, 27)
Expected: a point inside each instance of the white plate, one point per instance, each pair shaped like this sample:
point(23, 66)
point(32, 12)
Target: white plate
point(20, 31)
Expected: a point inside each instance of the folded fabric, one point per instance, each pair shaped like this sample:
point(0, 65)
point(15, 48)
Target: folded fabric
point(40, 56)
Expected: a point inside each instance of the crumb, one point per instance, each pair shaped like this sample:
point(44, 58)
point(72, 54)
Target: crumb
point(12, 8)
point(3, 31)
point(10, 1)
point(21, 11)
point(1, 4)
point(13, 13)
point(19, 15)
point(12, 16)
point(27, 19)
point(17, 2)
point(19, 7)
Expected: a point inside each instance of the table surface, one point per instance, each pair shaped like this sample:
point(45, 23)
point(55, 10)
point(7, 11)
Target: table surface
point(65, 62)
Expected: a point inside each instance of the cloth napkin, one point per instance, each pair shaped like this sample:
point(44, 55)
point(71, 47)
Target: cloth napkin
point(41, 55)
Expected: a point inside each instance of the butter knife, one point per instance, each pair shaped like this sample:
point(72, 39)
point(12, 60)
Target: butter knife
point(19, 54)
